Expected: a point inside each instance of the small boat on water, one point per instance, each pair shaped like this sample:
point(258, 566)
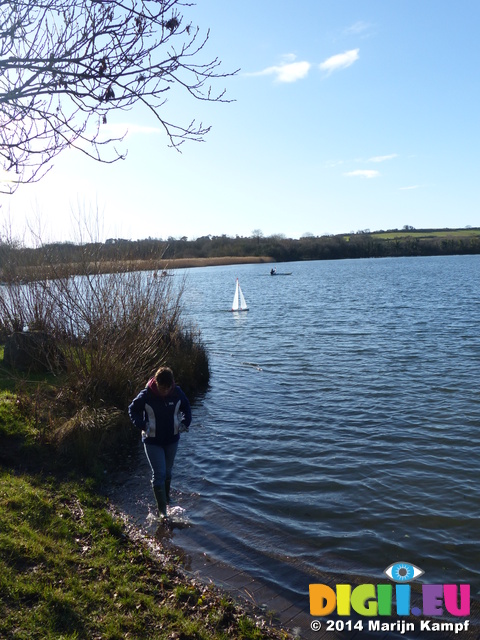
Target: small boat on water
point(239, 303)
point(274, 272)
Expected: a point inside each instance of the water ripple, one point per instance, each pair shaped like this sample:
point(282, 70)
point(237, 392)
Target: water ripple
point(342, 425)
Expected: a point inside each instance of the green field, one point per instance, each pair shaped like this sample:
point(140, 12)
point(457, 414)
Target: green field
point(427, 233)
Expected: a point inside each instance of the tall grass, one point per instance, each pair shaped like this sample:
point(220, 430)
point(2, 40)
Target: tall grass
point(111, 332)
point(111, 329)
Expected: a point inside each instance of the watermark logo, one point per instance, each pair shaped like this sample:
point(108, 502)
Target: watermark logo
point(372, 600)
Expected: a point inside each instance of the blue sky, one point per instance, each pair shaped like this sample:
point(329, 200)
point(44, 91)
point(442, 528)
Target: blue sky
point(348, 115)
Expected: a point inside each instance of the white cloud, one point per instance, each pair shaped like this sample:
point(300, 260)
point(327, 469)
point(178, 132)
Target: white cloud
point(329, 164)
point(340, 61)
point(357, 28)
point(286, 71)
point(290, 71)
point(363, 173)
point(383, 158)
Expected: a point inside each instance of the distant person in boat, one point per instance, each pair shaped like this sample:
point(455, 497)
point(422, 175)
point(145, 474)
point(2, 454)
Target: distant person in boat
point(161, 412)
point(273, 271)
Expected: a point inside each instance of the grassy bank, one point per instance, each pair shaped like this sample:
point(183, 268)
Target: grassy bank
point(70, 569)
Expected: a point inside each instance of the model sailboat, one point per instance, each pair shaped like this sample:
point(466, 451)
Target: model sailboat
point(239, 303)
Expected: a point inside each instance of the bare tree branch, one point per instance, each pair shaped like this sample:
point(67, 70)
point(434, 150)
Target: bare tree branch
point(65, 65)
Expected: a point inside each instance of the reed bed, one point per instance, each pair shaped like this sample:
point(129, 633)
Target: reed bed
point(27, 273)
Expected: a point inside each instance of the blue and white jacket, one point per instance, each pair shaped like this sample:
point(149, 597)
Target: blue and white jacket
point(159, 418)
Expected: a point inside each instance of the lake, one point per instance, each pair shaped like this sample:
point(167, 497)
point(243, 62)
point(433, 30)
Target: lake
point(341, 429)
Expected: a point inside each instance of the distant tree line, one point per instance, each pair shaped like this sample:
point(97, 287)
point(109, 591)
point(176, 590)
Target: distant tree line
point(364, 244)
point(336, 247)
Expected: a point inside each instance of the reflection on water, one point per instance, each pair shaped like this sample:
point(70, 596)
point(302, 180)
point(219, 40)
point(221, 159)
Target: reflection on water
point(341, 427)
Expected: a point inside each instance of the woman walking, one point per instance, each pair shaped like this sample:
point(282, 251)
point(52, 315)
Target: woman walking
point(161, 411)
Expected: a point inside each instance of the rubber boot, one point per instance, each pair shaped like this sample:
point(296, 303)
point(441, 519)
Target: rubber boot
point(161, 498)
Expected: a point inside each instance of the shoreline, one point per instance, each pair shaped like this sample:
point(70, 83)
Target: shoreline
point(199, 569)
point(272, 610)
point(277, 613)
point(129, 499)
point(280, 608)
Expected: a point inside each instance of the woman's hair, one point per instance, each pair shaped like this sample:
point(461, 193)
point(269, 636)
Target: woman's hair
point(164, 377)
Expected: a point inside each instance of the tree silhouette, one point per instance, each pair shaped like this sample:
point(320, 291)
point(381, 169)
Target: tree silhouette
point(66, 64)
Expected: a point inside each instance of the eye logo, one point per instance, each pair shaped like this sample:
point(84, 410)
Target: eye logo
point(403, 572)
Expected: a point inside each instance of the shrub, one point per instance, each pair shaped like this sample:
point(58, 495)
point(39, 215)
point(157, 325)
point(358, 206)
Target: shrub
point(113, 331)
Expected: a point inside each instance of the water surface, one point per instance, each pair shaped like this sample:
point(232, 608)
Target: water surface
point(341, 427)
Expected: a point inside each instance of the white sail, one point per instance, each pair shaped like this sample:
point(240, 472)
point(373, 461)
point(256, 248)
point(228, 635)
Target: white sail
point(239, 303)
point(235, 298)
point(243, 304)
